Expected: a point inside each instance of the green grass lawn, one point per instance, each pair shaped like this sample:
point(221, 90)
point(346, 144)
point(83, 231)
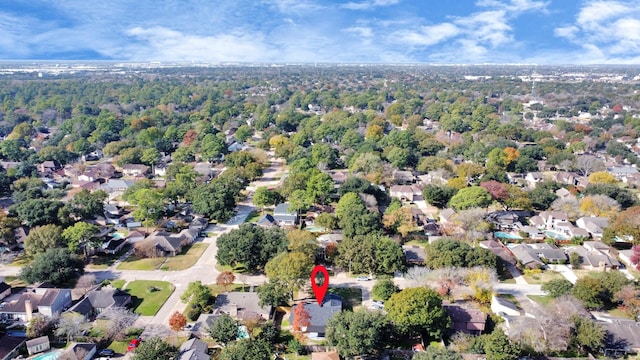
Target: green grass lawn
point(255, 215)
point(187, 259)
point(543, 277)
point(615, 312)
point(543, 300)
point(511, 298)
point(148, 302)
point(351, 297)
point(135, 263)
point(120, 347)
point(118, 284)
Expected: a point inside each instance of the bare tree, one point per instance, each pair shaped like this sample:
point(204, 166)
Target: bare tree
point(471, 223)
point(569, 206)
point(71, 325)
point(552, 328)
point(119, 320)
point(586, 164)
point(418, 274)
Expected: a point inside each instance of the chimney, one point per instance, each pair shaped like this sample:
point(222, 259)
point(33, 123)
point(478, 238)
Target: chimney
point(233, 310)
point(28, 309)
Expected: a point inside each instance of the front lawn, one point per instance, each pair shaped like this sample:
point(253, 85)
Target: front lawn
point(351, 297)
point(543, 300)
point(135, 263)
point(103, 261)
point(149, 295)
point(542, 277)
point(187, 259)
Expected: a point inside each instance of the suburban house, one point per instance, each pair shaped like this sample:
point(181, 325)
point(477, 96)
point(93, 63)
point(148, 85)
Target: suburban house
point(38, 345)
point(446, 215)
point(623, 335)
point(499, 250)
point(466, 318)
point(283, 216)
point(170, 244)
point(42, 300)
point(533, 178)
point(5, 290)
point(404, 192)
point(564, 194)
point(241, 305)
point(552, 218)
point(97, 301)
point(80, 351)
point(48, 167)
point(414, 254)
point(194, 349)
point(319, 315)
point(404, 177)
point(593, 258)
point(266, 221)
point(114, 245)
point(134, 170)
point(117, 185)
point(593, 225)
point(10, 346)
point(536, 255)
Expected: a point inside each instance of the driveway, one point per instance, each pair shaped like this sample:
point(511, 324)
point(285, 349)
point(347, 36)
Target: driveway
point(565, 271)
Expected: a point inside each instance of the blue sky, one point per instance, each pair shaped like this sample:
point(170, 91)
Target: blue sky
point(372, 31)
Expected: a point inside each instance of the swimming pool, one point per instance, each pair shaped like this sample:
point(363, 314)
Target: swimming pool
point(243, 333)
point(504, 235)
point(556, 235)
point(117, 236)
point(51, 355)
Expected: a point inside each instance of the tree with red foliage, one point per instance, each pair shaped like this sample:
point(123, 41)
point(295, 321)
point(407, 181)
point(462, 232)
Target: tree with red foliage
point(635, 258)
point(177, 321)
point(496, 189)
point(225, 279)
point(301, 319)
point(617, 108)
point(628, 224)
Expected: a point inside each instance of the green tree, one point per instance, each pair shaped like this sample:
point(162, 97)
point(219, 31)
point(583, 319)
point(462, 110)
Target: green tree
point(250, 246)
point(370, 254)
point(435, 352)
point(155, 349)
point(558, 287)
point(86, 204)
point(590, 335)
point(319, 187)
point(418, 311)
point(246, 349)
point(358, 333)
point(54, 265)
point(438, 195)
point(150, 205)
point(215, 200)
point(383, 289)
point(34, 212)
point(79, 236)
point(274, 293)
point(224, 330)
point(290, 268)
point(327, 221)
point(445, 253)
point(471, 197)
point(264, 197)
point(197, 294)
point(499, 347)
point(42, 238)
point(303, 241)
point(150, 156)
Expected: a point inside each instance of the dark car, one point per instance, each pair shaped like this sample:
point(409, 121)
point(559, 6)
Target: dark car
point(106, 352)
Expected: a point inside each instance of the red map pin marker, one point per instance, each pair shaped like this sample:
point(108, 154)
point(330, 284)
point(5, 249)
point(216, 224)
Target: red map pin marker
point(319, 290)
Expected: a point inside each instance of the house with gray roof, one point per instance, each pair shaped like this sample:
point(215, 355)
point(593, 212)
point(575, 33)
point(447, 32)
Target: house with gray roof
point(266, 220)
point(80, 351)
point(283, 216)
point(194, 349)
point(41, 300)
point(170, 244)
point(594, 257)
point(241, 305)
point(38, 345)
point(319, 315)
point(97, 301)
point(593, 225)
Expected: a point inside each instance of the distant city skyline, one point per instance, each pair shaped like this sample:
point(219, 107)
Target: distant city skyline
point(326, 31)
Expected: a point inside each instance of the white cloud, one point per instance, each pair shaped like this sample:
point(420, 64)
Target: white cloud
point(171, 45)
point(368, 5)
point(515, 6)
point(428, 35)
point(607, 31)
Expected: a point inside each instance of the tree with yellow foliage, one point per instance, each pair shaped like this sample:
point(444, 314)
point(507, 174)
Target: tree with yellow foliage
point(599, 205)
point(602, 177)
point(457, 183)
point(374, 132)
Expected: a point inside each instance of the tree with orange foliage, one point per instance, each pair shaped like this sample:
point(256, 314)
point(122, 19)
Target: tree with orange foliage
point(225, 279)
point(301, 320)
point(189, 137)
point(512, 154)
point(177, 321)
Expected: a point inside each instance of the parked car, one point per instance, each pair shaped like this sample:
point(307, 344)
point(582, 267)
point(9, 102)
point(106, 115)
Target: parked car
point(363, 278)
point(106, 353)
point(134, 344)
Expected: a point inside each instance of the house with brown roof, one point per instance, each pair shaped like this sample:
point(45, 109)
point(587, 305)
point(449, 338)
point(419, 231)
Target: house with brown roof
point(10, 346)
point(97, 301)
point(465, 317)
point(134, 169)
point(41, 300)
point(170, 244)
